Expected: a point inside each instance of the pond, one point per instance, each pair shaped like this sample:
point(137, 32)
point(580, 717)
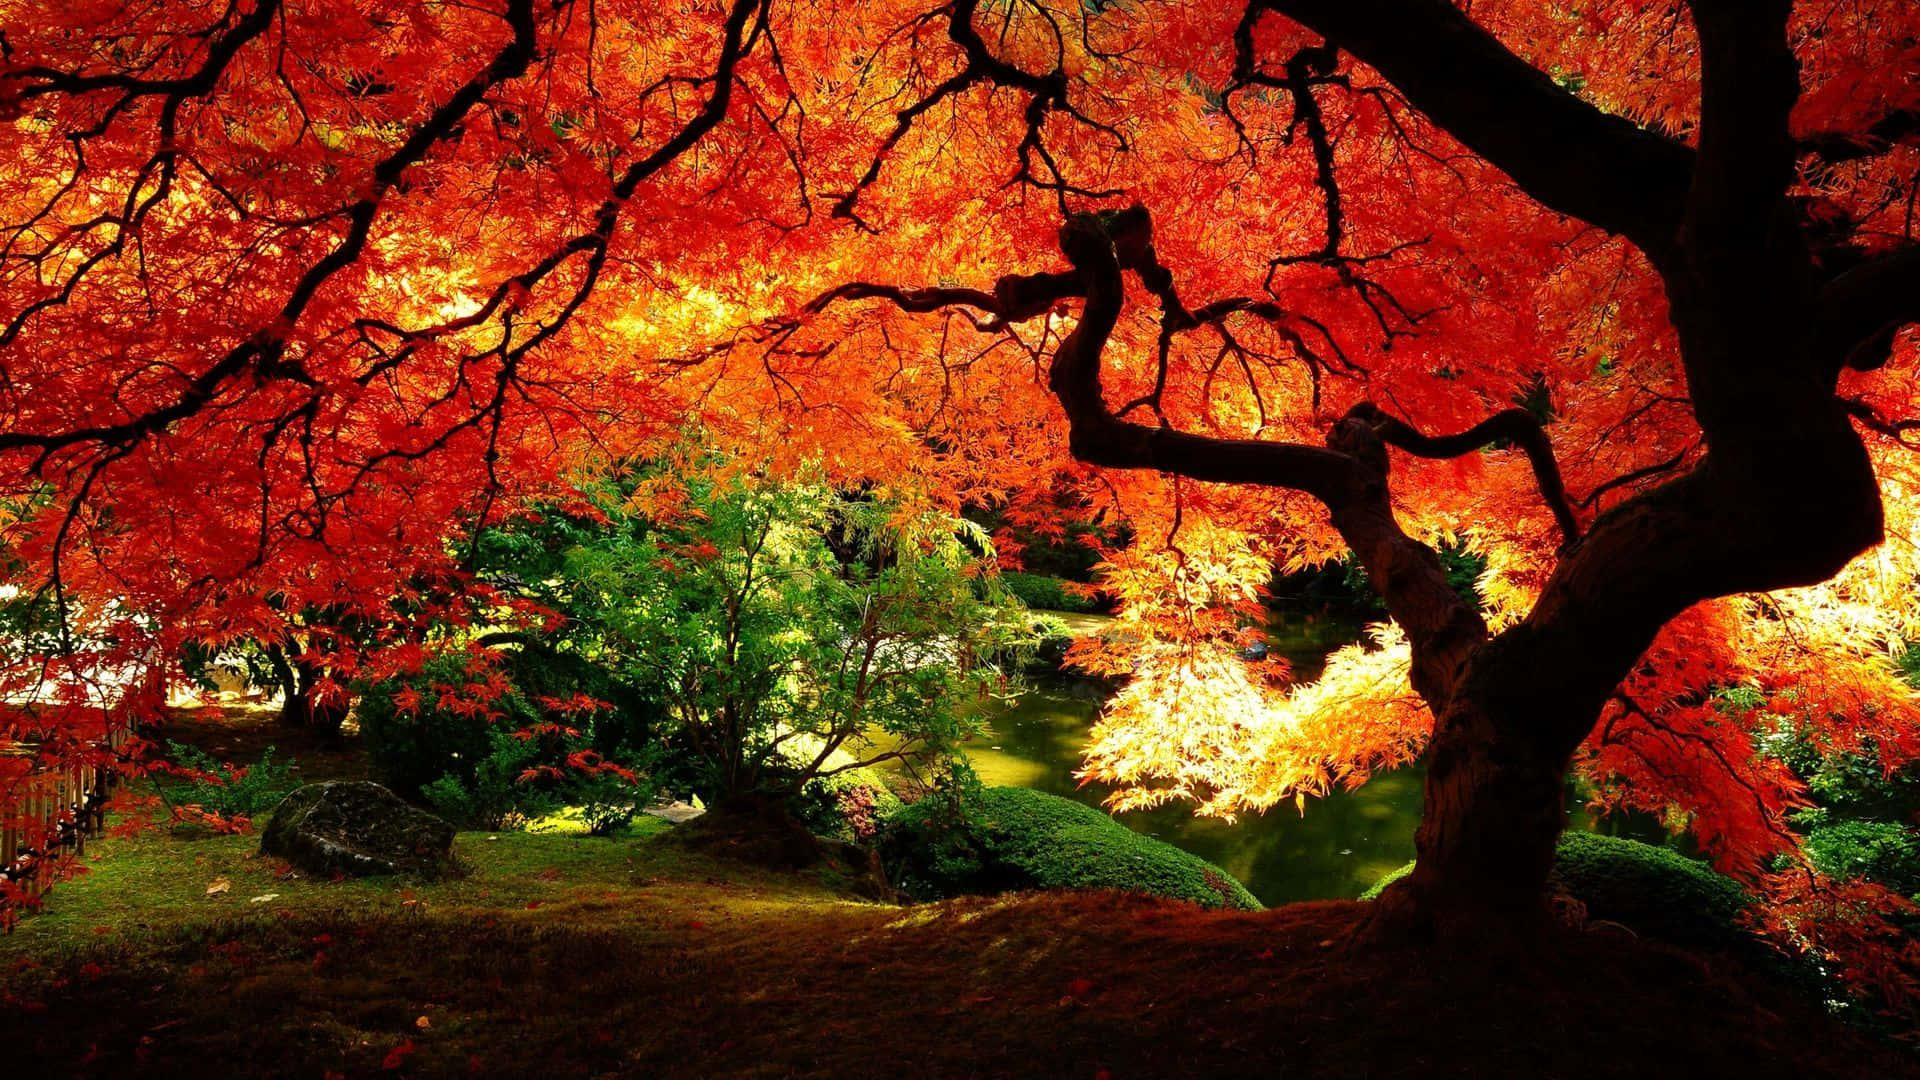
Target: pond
point(1338, 847)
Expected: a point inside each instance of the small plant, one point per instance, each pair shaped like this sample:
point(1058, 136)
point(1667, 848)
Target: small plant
point(1046, 593)
point(225, 790)
point(607, 800)
point(534, 772)
point(850, 805)
point(501, 794)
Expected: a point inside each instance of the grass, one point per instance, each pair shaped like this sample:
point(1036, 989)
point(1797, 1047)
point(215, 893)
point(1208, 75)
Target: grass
point(564, 955)
point(147, 887)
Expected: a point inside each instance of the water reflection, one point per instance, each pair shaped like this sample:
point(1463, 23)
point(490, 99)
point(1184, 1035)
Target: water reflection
point(1341, 845)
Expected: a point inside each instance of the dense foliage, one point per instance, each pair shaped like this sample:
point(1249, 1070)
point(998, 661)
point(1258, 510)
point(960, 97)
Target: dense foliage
point(775, 627)
point(220, 792)
point(299, 297)
point(470, 739)
point(1047, 593)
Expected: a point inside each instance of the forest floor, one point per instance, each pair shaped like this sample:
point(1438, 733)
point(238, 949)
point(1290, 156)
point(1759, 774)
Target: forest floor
point(564, 955)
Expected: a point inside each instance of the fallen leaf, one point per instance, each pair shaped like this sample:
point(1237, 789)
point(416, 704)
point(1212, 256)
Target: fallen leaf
point(264, 897)
point(397, 1056)
point(218, 886)
point(423, 1023)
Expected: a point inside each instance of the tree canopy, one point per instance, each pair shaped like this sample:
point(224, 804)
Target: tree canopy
point(295, 295)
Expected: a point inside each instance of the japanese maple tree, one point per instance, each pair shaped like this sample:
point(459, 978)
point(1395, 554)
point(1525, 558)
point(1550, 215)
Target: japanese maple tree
point(1617, 295)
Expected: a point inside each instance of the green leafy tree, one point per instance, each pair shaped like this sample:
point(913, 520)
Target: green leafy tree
point(779, 657)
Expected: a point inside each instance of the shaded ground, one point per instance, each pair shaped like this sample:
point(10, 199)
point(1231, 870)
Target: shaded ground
point(241, 732)
point(563, 956)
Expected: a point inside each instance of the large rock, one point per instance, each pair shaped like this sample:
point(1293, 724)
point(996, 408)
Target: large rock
point(357, 828)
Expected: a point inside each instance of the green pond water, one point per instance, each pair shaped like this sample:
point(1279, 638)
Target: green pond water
point(1339, 846)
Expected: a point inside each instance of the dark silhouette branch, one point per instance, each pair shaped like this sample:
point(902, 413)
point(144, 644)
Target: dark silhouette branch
point(1628, 479)
point(1561, 150)
point(1891, 129)
point(1860, 310)
point(1517, 426)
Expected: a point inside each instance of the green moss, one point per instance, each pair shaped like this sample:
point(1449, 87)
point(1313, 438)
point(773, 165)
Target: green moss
point(1009, 838)
point(153, 883)
point(1374, 890)
point(1656, 892)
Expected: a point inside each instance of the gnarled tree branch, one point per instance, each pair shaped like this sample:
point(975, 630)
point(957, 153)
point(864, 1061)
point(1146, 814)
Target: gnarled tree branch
point(1562, 151)
point(1517, 426)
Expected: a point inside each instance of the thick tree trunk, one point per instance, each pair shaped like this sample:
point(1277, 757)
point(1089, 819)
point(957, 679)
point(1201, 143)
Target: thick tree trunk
point(1496, 787)
point(1493, 811)
point(302, 710)
point(299, 700)
point(1785, 495)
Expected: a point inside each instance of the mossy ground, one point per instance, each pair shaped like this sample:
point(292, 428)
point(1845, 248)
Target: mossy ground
point(566, 955)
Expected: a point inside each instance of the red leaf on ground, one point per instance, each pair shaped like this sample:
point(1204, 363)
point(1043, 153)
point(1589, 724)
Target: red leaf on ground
point(397, 1056)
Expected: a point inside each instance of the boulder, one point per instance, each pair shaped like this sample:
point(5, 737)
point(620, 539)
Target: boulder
point(357, 828)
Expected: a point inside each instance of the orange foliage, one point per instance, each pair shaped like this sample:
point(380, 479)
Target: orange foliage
point(293, 293)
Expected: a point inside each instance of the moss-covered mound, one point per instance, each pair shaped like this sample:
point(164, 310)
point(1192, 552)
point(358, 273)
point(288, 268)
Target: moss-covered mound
point(1007, 838)
point(1654, 891)
point(1651, 889)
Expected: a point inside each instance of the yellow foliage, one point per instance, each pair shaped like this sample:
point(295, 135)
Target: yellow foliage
point(1198, 723)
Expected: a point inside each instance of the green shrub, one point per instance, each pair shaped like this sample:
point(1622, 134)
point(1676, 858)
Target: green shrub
point(494, 795)
point(632, 719)
point(411, 749)
point(230, 790)
point(1045, 593)
point(1656, 892)
point(1374, 890)
point(608, 802)
point(1880, 851)
point(1005, 838)
point(532, 773)
point(852, 805)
